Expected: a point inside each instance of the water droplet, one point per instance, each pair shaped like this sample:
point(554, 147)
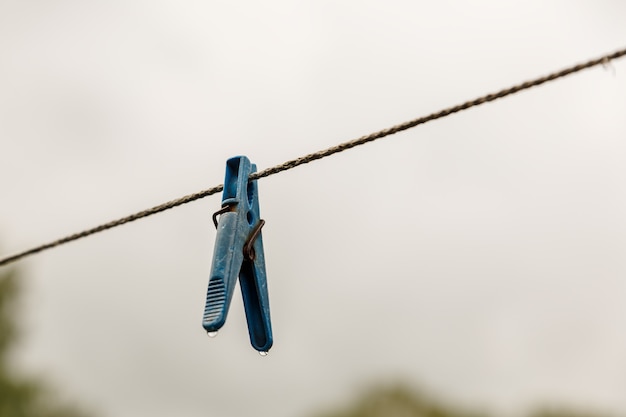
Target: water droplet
point(262, 353)
point(211, 334)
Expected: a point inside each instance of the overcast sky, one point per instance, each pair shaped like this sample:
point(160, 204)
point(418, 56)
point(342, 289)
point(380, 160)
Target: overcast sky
point(480, 256)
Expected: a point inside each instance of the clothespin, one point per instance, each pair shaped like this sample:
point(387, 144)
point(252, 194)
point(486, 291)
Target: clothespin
point(239, 252)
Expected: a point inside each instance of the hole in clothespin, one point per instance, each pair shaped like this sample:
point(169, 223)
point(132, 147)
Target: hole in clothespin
point(251, 191)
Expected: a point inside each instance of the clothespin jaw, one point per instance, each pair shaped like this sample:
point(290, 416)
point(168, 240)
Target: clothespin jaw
point(239, 252)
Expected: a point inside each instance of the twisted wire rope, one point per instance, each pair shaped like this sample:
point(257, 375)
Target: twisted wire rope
point(603, 60)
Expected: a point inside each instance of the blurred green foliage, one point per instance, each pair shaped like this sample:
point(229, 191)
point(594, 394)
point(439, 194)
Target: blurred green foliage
point(401, 401)
point(397, 401)
point(21, 396)
point(564, 412)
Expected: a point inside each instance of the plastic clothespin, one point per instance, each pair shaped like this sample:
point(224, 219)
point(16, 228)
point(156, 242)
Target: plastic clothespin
point(239, 252)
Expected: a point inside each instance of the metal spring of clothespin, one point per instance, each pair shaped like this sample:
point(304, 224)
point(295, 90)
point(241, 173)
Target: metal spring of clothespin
point(239, 253)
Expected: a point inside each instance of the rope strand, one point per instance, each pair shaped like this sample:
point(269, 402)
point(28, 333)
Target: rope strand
point(603, 60)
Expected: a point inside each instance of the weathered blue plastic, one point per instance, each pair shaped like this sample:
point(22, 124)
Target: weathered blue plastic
point(233, 229)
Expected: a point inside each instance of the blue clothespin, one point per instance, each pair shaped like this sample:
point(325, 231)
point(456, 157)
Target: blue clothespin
point(239, 252)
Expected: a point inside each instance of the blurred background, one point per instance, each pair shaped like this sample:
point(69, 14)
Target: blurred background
point(478, 258)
